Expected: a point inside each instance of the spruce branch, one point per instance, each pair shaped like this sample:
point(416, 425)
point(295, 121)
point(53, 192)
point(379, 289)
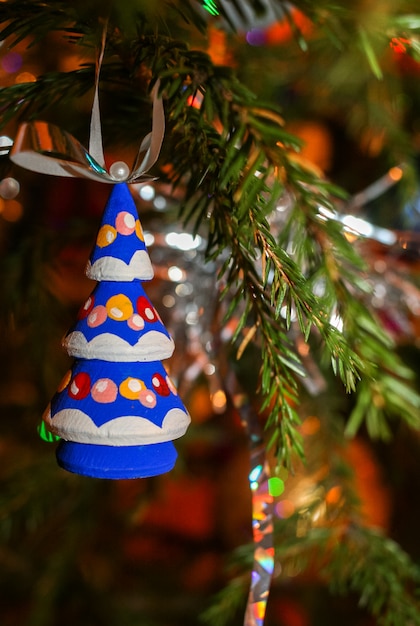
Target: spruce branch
point(238, 210)
point(33, 20)
point(387, 587)
point(27, 101)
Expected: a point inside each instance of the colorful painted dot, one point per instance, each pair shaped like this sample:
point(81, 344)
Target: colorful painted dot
point(64, 382)
point(136, 322)
point(97, 316)
point(104, 391)
point(79, 386)
point(131, 387)
point(139, 230)
point(146, 310)
point(125, 223)
point(86, 308)
point(147, 398)
point(106, 235)
point(160, 385)
point(119, 308)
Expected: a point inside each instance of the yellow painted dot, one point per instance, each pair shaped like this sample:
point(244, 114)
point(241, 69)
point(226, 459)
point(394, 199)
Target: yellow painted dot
point(106, 235)
point(119, 308)
point(131, 387)
point(139, 230)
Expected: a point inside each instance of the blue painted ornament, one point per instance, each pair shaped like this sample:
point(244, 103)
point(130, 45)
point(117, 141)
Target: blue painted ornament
point(119, 323)
point(120, 252)
point(117, 411)
point(117, 463)
point(119, 404)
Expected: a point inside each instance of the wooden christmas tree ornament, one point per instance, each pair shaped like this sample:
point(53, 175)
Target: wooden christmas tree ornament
point(117, 410)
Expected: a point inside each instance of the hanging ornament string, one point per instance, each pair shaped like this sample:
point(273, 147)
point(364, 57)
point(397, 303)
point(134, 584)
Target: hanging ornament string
point(47, 149)
point(96, 150)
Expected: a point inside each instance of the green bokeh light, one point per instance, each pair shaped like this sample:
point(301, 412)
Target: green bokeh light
point(275, 486)
point(211, 7)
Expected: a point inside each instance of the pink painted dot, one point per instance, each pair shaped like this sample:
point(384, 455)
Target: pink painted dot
point(136, 322)
point(97, 316)
point(104, 391)
point(147, 398)
point(125, 223)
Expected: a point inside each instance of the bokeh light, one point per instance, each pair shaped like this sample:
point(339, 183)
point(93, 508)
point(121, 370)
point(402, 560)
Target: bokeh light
point(11, 62)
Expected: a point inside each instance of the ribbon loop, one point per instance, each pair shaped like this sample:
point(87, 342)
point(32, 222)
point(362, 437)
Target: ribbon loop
point(45, 148)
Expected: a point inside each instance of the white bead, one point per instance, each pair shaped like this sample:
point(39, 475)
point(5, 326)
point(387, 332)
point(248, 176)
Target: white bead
point(119, 170)
point(9, 188)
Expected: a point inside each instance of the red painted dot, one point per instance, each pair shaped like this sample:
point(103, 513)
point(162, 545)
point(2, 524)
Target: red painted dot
point(146, 310)
point(160, 385)
point(79, 386)
point(86, 308)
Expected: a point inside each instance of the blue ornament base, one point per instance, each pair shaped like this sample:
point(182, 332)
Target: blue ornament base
point(116, 462)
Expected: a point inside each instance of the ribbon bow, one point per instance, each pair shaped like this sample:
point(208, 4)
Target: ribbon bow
point(45, 148)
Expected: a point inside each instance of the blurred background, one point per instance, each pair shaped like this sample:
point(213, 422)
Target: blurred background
point(156, 552)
